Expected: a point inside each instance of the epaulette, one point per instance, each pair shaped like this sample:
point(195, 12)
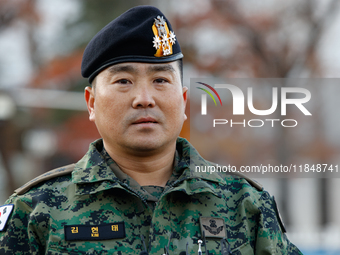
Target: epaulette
point(44, 177)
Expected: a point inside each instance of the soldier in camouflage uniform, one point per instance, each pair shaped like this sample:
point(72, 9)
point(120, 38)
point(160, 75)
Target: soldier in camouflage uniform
point(134, 192)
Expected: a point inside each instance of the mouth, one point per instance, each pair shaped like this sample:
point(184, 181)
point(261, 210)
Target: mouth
point(147, 120)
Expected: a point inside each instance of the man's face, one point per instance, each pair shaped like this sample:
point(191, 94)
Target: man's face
point(138, 107)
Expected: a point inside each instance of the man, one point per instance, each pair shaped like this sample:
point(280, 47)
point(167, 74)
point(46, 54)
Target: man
point(133, 192)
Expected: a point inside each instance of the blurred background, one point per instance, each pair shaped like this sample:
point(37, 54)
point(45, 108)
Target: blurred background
point(43, 118)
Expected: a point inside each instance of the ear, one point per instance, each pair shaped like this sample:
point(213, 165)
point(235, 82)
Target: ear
point(89, 98)
point(185, 98)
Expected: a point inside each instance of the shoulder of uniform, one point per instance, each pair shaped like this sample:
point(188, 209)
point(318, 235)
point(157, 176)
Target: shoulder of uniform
point(251, 181)
point(44, 177)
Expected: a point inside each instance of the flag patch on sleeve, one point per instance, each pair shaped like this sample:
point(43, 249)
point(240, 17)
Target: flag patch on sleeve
point(5, 212)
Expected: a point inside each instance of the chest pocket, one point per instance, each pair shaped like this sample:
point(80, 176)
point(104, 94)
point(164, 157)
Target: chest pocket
point(214, 246)
point(243, 249)
point(61, 250)
point(88, 248)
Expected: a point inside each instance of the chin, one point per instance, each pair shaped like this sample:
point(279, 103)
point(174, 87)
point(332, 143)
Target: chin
point(145, 146)
point(149, 145)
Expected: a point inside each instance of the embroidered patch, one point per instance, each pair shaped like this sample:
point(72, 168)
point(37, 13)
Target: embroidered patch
point(212, 227)
point(94, 232)
point(5, 212)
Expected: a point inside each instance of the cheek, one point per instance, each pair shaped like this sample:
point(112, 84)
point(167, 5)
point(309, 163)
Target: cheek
point(176, 109)
point(109, 111)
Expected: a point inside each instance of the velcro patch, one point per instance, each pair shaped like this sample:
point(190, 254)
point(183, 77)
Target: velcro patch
point(212, 227)
point(5, 212)
point(94, 232)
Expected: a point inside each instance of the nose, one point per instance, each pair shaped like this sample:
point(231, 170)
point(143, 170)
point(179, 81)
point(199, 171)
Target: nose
point(144, 98)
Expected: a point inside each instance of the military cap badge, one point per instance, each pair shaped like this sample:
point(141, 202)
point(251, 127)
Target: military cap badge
point(163, 39)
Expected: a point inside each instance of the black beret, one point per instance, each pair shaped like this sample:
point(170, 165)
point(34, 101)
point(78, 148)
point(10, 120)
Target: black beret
point(141, 34)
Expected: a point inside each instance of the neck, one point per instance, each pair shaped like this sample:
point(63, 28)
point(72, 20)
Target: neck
point(155, 169)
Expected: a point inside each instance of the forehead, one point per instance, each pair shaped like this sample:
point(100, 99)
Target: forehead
point(141, 68)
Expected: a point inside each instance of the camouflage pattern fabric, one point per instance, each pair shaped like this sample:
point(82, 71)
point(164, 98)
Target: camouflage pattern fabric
point(91, 211)
point(150, 193)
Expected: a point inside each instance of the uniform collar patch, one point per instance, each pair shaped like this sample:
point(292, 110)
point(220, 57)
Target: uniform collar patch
point(213, 227)
point(5, 212)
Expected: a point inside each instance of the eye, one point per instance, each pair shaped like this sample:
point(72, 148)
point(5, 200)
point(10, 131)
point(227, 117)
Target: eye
point(123, 81)
point(161, 80)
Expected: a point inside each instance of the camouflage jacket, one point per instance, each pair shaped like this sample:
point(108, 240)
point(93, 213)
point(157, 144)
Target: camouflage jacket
point(85, 209)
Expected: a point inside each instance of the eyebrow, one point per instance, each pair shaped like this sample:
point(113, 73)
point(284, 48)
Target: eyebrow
point(130, 69)
point(161, 68)
point(122, 68)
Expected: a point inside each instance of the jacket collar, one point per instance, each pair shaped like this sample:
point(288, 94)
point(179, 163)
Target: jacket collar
point(193, 163)
point(92, 174)
point(93, 169)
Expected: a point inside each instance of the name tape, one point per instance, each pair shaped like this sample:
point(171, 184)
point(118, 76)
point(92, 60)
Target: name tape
point(94, 232)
